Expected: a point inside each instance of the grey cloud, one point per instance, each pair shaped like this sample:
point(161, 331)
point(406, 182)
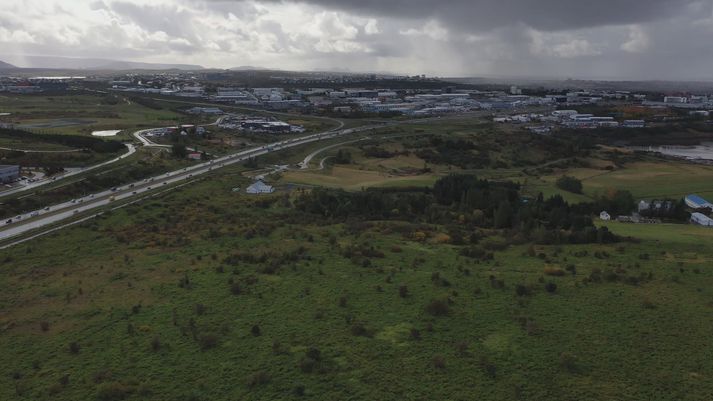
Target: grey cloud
point(483, 15)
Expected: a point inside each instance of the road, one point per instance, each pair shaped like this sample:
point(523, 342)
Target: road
point(304, 164)
point(36, 184)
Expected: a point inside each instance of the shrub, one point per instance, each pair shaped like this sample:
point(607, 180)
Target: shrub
point(648, 304)
point(359, 330)
point(208, 341)
point(438, 307)
point(74, 347)
point(438, 362)
point(568, 362)
point(415, 334)
point(462, 348)
point(255, 331)
point(156, 343)
point(258, 379)
point(487, 366)
point(235, 289)
point(114, 391)
point(343, 302)
point(200, 309)
point(554, 271)
point(551, 287)
point(522, 290)
point(299, 390)
point(44, 325)
point(403, 291)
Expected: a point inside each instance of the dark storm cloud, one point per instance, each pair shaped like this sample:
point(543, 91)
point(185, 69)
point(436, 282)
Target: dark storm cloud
point(483, 15)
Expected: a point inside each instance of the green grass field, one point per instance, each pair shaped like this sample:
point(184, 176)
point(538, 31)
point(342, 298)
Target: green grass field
point(172, 299)
point(82, 114)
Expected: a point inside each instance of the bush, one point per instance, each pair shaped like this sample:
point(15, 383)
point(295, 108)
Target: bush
point(74, 347)
point(438, 362)
point(258, 379)
point(487, 366)
point(208, 341)
point(438, 307)
point(551, 287)
point(554, 271)
point(568, 362)
point(403, 291)
point(156, 343)
point(522, 290)
point(114, 391)
point(44, 326)
point(359, 330)
point(255, 331)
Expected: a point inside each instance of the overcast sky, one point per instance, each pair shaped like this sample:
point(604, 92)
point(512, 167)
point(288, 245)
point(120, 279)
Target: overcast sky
point(625, 39)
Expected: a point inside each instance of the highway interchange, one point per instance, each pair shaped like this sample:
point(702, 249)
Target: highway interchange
point(52, 215)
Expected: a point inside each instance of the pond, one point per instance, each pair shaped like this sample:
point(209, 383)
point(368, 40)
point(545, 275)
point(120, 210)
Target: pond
point(704, 151)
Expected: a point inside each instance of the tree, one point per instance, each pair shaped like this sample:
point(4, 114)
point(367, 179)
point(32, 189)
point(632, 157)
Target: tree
point(179, 150)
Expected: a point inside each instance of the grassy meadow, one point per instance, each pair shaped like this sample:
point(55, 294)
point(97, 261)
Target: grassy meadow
point(205, 294)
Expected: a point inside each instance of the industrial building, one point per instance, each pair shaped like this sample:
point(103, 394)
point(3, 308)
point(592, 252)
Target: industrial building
point(9, 173)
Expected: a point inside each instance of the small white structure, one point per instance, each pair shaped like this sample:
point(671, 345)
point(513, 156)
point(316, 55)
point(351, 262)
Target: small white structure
point(701, 219)
point(259, 187)
point(604, 216)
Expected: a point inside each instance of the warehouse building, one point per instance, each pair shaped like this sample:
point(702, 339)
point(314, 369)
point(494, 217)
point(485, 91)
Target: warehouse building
point(701, 219)
point(696, 202)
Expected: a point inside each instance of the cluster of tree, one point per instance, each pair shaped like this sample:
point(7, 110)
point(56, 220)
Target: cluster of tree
point(469, 202)
point(570, 184)
point(73, 141)
point(343, 157)
point(378, 152)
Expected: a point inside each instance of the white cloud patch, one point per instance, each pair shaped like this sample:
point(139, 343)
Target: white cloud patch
point(638, 41)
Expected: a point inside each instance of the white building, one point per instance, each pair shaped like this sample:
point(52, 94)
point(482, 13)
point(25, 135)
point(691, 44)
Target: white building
point(675, 99)
point(604, 216)
point(701, 219)
point(260, 187)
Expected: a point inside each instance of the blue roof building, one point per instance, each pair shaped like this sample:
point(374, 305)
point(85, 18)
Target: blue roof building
point(696, 202)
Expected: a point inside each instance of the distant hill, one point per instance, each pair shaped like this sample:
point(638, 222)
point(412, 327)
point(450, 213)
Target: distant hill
point(248, 68)
point(6, 66)
point(53, 62)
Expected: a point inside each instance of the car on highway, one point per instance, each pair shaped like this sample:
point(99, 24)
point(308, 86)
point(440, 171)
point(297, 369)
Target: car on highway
point(8, 221)
point(75, 211)
point(47, 209)
point(34, 214)
point(133, 193)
